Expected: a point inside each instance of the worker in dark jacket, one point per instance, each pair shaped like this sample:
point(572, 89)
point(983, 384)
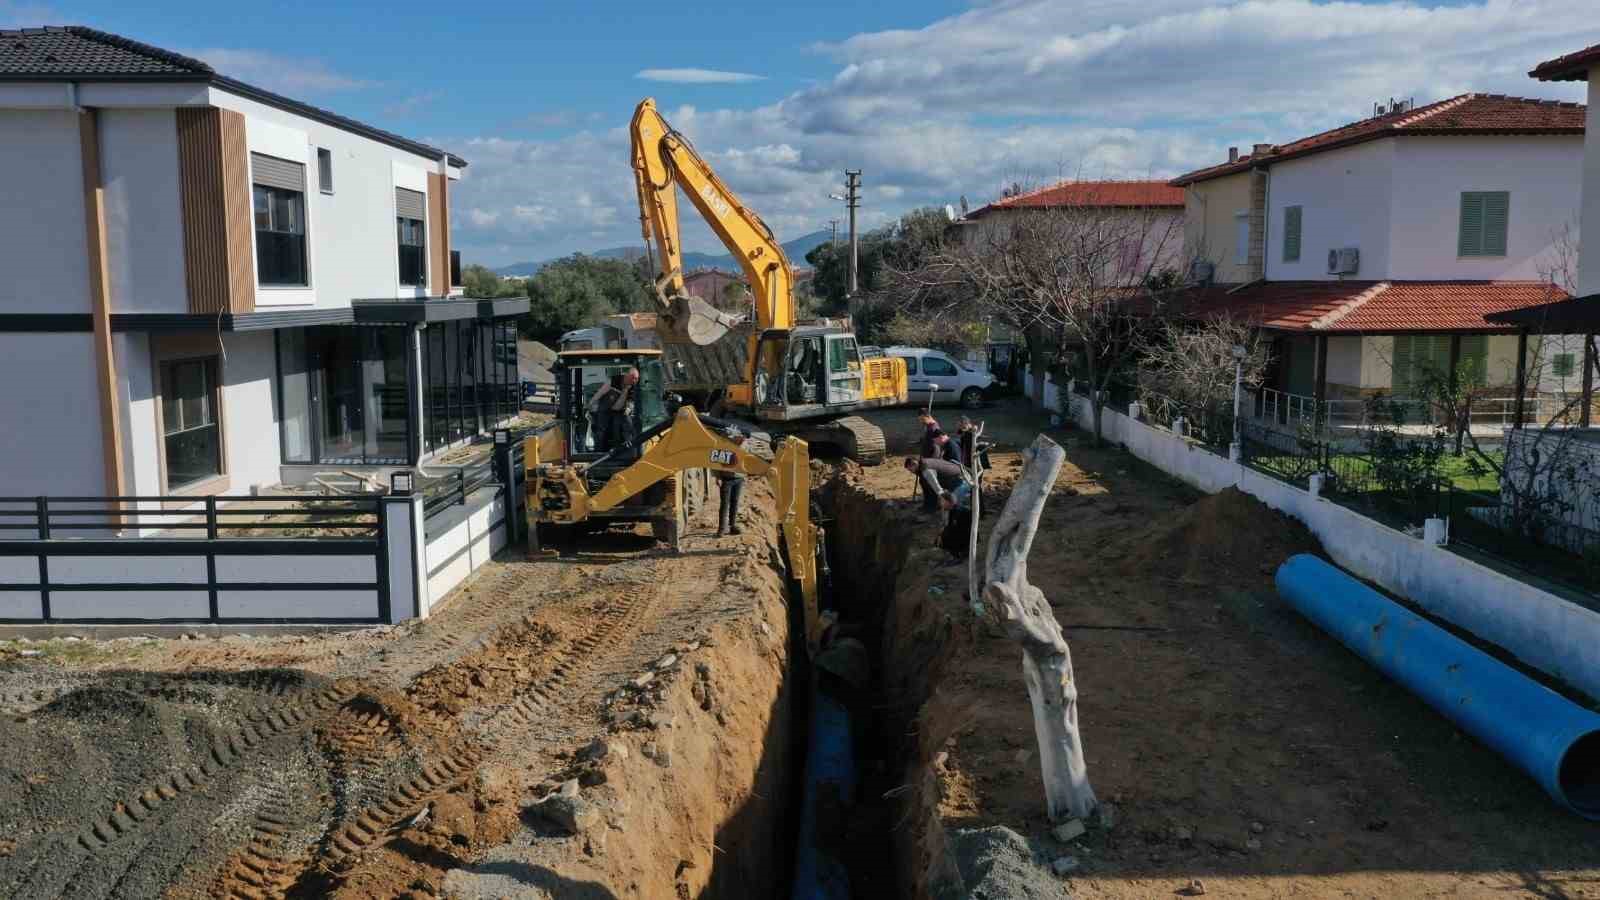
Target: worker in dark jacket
point(957, 505)
point(936, 475)
point(732, 486)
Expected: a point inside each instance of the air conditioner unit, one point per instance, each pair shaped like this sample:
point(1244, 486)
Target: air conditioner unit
point(1344, 261)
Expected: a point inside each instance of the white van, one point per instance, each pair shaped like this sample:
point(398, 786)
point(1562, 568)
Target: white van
point(927, 369)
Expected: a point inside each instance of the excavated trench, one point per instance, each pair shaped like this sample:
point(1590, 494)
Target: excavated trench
point(893, 844)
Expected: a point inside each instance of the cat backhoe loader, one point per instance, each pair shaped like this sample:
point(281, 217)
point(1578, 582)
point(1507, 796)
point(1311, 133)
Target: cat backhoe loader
point(644, 478)
point(791, 378)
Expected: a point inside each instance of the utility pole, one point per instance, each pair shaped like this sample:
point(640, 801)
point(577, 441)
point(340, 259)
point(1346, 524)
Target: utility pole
point(833, 226)
point(852, 199)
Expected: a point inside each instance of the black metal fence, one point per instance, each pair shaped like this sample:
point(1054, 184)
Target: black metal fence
point(276, 516)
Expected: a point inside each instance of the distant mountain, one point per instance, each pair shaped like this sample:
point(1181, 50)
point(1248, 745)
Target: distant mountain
point(795, 249)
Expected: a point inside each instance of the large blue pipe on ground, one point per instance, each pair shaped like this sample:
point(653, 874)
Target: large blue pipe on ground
point(1541, 732)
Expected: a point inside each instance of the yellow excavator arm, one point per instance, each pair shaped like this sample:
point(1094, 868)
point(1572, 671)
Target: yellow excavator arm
point(689, 444)
point(664, 158)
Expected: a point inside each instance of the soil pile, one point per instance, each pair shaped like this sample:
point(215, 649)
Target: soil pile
point(1227, 531)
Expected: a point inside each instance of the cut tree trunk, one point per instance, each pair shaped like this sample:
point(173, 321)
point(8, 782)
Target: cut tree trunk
point(1046, 661)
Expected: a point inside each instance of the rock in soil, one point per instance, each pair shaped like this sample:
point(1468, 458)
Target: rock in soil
point(1069, 830)
point(1064, 865)
point(1195, 888)
point(572, 814)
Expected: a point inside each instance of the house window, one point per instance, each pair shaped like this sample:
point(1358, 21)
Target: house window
point(325, 169)
point(1563, 365)
point(413, 240)
point(1241, 237)
point(455, 268)
point(1484, 219)
point(279, 202)
point(191, 435)
point(1291, 233)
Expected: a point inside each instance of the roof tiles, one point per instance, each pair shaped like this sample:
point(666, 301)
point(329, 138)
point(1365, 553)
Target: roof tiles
point(1102, 194)
point(1371, 307)
point(1466, 114)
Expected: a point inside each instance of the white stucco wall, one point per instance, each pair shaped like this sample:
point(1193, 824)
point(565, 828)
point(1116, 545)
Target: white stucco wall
point(1589, 267)
point(144, 216)
point(51, 439)
point(1399, 201)
point(250, 407)
point(352, 239)
point(43, 267)
point(136, 386)
point(1345, 197)
point(1543, 173)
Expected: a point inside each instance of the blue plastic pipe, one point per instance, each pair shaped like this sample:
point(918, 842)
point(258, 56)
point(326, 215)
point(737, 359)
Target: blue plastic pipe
point(1539, 731)
point(830, 785)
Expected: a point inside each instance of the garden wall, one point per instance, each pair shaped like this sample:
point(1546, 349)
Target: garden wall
point(1543, 630)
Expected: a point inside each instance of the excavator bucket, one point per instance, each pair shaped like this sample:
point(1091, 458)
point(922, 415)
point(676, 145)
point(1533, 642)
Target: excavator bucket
point(685, 317)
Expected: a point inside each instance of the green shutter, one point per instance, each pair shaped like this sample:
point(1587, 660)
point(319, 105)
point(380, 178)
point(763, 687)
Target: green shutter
point(1496, 217)
point(1291, 234)
point(1400, 366)
point(1475, 357)
point(1485, 218)
point(1470, 239)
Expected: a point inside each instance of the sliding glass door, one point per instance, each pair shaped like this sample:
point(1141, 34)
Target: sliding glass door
point(470, 379)
point(342, 395)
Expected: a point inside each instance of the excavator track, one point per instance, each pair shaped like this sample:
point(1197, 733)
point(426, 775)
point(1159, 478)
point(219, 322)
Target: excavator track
point(856, 438)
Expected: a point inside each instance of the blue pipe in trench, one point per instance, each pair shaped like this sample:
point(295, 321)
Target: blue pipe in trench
point(1539, 731)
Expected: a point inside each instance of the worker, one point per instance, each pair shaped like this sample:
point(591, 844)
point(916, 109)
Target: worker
point(731, 485)
point(967, 436)
point(957, 505)
point(930, 427)
point(936, 476)
point(612, 407)
point(944, 448)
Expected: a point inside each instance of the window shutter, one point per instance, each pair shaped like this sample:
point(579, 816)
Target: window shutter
point(408, 204)
point(1400, 372)
point(1291, 234)
point(1470, 240)
point(1496, 217)
point(1475, 356)
point(279, 173)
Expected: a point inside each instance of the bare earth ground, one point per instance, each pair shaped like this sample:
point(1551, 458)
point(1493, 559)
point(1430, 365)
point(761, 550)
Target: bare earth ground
point(1239, 745)
point(297, 766)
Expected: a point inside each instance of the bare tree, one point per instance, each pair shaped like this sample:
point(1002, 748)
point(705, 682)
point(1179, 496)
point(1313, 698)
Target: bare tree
point(1189, 368)
point(1046, 660)
point(1080, 272)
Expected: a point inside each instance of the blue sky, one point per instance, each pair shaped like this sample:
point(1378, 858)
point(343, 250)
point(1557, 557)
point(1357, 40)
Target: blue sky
point(934, 99)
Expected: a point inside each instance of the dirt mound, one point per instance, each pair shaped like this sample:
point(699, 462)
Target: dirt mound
point(1227, 531)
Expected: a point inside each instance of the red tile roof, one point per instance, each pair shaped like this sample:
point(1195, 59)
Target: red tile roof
point(1467, 114)
point(1120, 194)
point(1370, 307)
point(1572, 67)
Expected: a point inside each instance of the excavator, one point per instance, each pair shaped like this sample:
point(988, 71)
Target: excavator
point(792, 378)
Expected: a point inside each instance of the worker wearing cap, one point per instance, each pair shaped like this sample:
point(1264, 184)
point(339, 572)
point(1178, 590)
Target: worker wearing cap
point(731, 485)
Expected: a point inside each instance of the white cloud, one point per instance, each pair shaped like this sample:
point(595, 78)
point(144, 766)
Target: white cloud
point(1032, 90)
point(294, 76)
point(697, 76)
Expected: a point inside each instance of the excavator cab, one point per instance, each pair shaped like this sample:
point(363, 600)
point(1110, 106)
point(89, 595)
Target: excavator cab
point(806, 371)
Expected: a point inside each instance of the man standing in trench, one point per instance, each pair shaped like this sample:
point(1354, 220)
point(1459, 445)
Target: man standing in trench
point(731, 485)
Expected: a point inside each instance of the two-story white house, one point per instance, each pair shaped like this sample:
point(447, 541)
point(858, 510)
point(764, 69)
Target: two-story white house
point(1374, 250)
point(203, 283)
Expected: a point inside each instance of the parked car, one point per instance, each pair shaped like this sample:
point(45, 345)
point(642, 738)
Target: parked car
point(929, 369)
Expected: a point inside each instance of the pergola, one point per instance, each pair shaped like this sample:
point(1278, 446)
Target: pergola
point(1580, 315)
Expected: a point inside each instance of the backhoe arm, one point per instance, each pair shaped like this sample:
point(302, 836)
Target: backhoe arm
point(662, 158)
point(689, 444)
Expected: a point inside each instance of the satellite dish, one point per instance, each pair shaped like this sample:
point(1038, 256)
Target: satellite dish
point(963, 204)
point(949, 212)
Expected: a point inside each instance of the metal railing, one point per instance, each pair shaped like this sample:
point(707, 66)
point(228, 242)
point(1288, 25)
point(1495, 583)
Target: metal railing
point(441, 492)
point(278, 516)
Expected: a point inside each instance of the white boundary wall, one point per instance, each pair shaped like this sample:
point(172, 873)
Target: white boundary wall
point(461, 539)
point(1539, 628)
